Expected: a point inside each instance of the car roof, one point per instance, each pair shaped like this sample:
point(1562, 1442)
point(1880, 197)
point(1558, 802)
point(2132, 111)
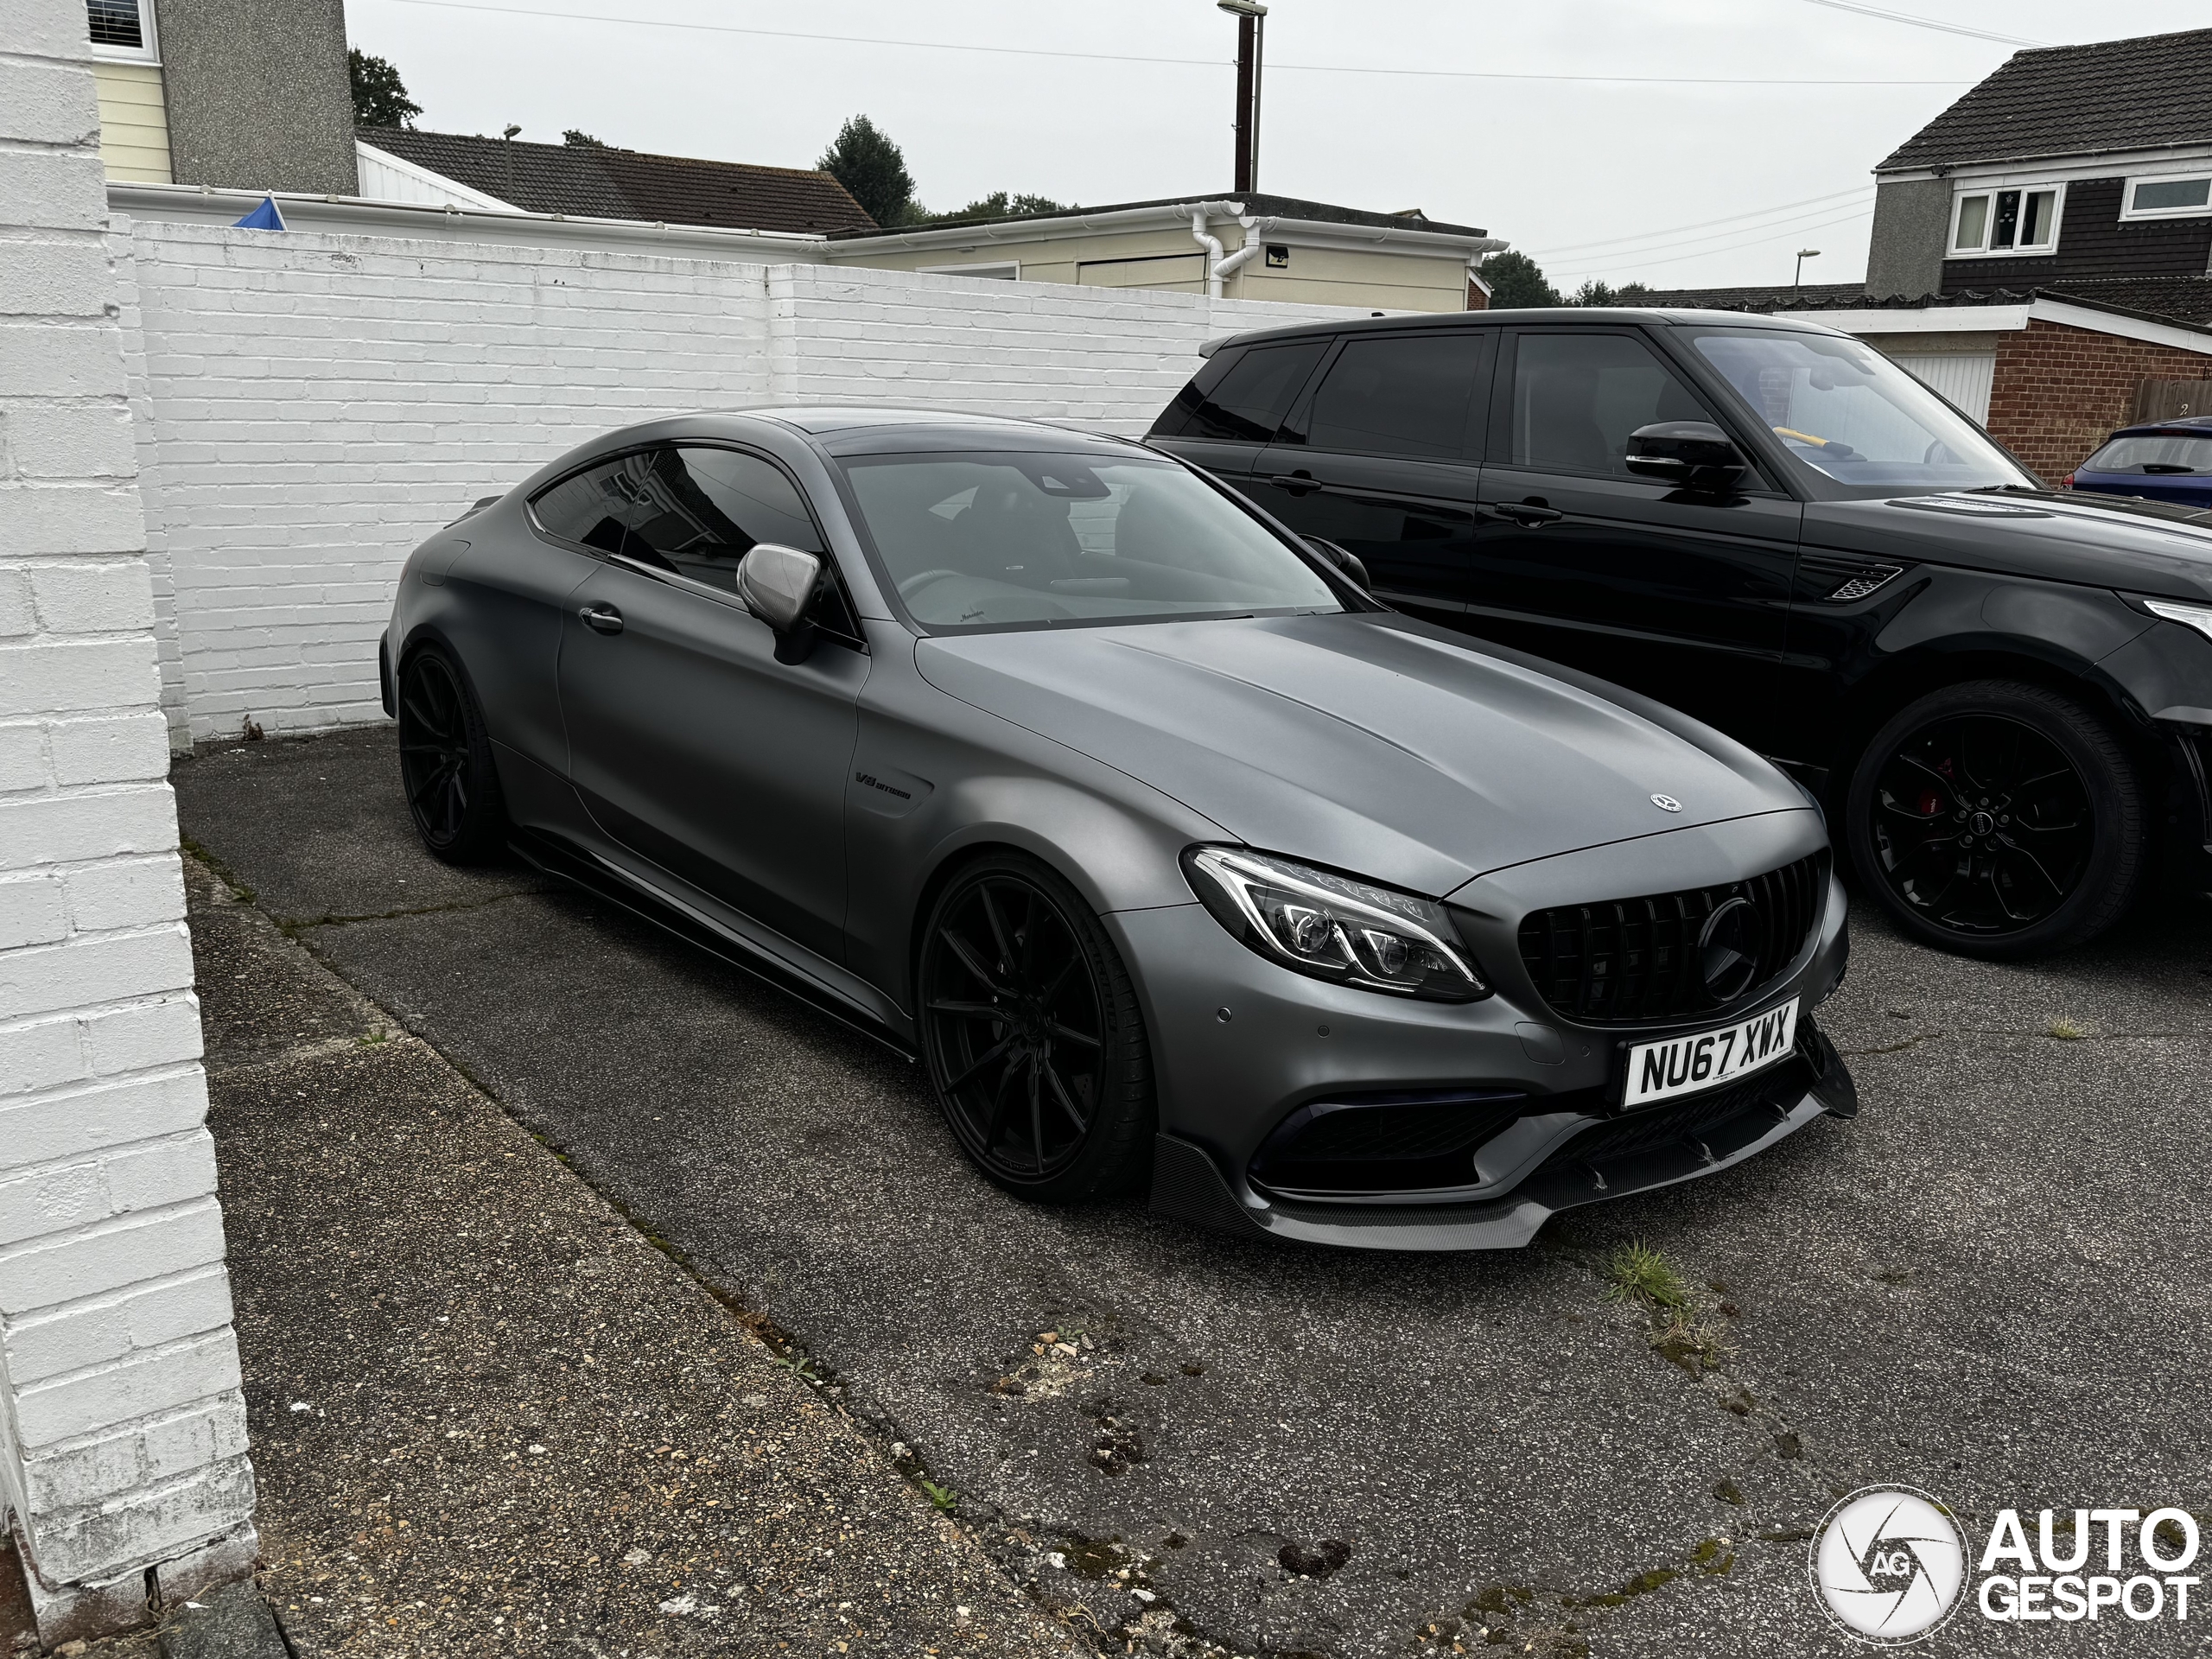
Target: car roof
point(1570, 316)
point(2181, 426)
point(860, 428)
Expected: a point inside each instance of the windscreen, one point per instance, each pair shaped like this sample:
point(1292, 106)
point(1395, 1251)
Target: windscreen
point(982, 541)
point(1847, 414)
point(2152, 454)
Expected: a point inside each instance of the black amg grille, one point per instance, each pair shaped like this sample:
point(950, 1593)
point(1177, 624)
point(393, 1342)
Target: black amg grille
point(1630, 960)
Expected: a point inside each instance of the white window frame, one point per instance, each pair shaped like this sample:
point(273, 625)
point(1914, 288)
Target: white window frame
point(1004, 270)
point(2038, 251)
point(2128, 211)
point(149, 52)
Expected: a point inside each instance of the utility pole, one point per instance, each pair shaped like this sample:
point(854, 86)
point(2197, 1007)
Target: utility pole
point(1251, 36)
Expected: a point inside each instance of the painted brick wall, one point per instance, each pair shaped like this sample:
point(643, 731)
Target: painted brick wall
point(122, 1431)
point(312, 406)
point(2059, 391)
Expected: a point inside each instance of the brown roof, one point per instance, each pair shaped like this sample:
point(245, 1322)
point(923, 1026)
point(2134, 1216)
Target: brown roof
point(599, 182)
point(2144, 93)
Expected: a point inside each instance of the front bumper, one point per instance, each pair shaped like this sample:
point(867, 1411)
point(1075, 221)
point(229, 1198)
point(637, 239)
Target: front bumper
point(1225, 1084)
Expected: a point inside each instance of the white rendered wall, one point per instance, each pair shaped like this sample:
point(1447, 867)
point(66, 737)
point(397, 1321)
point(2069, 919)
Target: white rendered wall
point(122, 1431)
point(312, 406)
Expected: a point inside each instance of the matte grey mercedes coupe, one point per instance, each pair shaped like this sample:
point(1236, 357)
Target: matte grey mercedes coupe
point(1173, 856)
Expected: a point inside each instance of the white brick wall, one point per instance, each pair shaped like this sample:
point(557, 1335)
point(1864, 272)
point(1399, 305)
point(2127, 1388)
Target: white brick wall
point(121, 1432)
point(312, 406)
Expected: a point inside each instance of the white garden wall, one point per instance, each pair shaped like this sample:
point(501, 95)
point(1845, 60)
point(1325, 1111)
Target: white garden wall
point(121, 1430)
point(312, 406)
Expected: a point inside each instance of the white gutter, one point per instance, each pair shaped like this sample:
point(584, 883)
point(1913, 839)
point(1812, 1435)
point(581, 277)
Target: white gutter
point(963, 236)
point(360, 216)
point(2006, 319)
point(1219, 268)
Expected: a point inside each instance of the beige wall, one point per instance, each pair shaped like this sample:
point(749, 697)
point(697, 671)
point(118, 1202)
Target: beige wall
point(133, 122)
point(1167, 259)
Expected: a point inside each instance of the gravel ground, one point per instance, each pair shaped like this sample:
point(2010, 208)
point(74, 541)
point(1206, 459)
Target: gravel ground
point(1991, 1285)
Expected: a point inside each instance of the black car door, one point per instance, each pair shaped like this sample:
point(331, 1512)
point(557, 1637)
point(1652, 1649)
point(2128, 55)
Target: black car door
point(1381, 458)
point(689, 742)
point(1682, 596)
point(1233, 406)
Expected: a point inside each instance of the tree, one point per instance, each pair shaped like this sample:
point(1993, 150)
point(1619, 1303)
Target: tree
point(873, 169)
point(573, 137)
point(1594, 292)
point(1515, 279)
point(999, 205)
point(380, 96)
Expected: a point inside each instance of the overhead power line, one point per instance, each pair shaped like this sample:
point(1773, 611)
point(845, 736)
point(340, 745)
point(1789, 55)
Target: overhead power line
point(1126, 57)
point(1702, 224)
point(1925, 23)
point(1749, 242)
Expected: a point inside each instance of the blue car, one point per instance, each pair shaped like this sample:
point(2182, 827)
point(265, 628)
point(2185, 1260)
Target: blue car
point(2163, 461)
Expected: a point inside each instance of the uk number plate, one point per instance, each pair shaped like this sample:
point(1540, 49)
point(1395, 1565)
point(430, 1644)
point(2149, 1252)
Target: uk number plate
point(1705, 1059)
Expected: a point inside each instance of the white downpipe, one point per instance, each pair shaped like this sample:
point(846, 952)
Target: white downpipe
point(1221, 267)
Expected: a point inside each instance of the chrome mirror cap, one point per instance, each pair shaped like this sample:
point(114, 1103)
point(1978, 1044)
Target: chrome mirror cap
point(777, 583)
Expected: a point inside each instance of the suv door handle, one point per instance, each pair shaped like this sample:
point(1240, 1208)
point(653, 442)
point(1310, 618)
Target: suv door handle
point(1526, 516)
point(1296, 483)
point(600, 618)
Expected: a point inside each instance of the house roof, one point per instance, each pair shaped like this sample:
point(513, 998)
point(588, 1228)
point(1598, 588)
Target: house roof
point(600, 182)
point(2145, 94)
point(2183, 300)
point(1256, 204)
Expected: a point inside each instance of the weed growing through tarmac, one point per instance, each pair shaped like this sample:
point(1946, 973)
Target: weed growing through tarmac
point(1643, 1278)
point(943, 1497)
point(2066, 1030)
point(1641, 1274)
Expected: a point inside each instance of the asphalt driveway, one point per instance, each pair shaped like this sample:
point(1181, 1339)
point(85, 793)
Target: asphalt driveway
point(1992, 1285)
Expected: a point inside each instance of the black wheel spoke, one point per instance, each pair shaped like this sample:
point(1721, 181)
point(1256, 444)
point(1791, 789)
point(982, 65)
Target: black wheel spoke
point(970, 960)
point(1066, 1101)
point(995, 1052)
point(1037, 1116)
point(998, 930)
point(1072, 1035)
point(972, 1010)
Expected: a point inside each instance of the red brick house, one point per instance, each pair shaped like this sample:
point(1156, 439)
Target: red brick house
point(2042, 251)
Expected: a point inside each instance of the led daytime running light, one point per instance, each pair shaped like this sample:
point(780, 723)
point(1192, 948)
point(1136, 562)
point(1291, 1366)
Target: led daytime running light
point(2193, 616)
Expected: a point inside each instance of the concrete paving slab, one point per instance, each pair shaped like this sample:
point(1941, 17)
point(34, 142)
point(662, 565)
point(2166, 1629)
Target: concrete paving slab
point(1986, 1285)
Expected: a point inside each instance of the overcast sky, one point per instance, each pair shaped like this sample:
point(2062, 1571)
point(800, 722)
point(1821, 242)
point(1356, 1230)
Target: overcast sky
point(1678, 185)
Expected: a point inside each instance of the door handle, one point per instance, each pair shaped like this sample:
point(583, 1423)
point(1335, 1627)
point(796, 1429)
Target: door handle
point(1526, 515)
point(600, 618)
point(1296, 483)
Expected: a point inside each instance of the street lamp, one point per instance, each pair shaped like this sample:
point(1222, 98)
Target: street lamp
point(1251, 26)
point(1803, 254)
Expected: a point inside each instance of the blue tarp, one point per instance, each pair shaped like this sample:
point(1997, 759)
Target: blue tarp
point(263, 218)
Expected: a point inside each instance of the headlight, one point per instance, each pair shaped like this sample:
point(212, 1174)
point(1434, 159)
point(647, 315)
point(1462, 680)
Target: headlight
point(2196, 616)
point(1333, 928)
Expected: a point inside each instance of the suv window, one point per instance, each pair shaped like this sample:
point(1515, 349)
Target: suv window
point(695, 511)
point(1244, 399)
point(1400, 395)
point(1576, 397)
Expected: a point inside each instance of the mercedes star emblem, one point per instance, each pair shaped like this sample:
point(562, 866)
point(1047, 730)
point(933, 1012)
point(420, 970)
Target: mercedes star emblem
point(1666, 803)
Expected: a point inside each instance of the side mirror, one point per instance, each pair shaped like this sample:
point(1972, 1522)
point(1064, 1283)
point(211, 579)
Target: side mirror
point(1688, 454)
point(777, 583)
point(1344, 560)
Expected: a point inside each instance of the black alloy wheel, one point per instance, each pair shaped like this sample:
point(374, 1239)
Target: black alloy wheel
point(1998, 820)
point(445, 762)
point(1032, 1036)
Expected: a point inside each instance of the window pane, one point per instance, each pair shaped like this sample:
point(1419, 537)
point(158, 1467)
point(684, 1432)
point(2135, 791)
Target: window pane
point(2158, 452)
point(2008, 219)
point(2035, 220)
point(1246, 404)
point(1404, 395)
point(2153, 195)
point(592, 506)
point(115, 23)
point(1973, 222)
point(1576, 398)
point(1004, 540)
point(695, 512)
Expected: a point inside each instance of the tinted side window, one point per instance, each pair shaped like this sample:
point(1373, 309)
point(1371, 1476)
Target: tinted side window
point(695, 511)
point(1243, 401)
point(1400, 395)
point(1576, 398)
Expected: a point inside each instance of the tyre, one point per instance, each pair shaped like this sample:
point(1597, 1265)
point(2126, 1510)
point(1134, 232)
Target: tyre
point(1998, 820)
point(445, 762)
point(1032, 1036)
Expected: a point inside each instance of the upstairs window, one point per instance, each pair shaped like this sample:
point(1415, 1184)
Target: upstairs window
point(2168, 197)
point(121, 29)
point(2006, 221)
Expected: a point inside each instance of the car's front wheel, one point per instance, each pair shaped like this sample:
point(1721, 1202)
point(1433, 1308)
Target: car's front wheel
point(445, 761)
point(1033, 1035)
point(1998, 819)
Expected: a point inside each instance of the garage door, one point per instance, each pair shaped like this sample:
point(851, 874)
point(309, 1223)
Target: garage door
point(1962, 377)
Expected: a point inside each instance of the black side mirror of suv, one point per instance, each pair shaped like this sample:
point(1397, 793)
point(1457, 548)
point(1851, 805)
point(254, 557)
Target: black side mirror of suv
point(1689, 454)
point(1344, 560)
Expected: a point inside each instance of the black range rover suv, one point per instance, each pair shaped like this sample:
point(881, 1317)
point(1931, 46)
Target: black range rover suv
point(2003, 694)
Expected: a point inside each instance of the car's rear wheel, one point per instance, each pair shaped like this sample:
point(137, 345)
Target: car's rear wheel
point(1998, 819)
point(445, 761)
point(1033, 1035)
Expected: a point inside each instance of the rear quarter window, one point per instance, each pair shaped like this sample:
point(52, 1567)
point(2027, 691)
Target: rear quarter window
point(1242, 397)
